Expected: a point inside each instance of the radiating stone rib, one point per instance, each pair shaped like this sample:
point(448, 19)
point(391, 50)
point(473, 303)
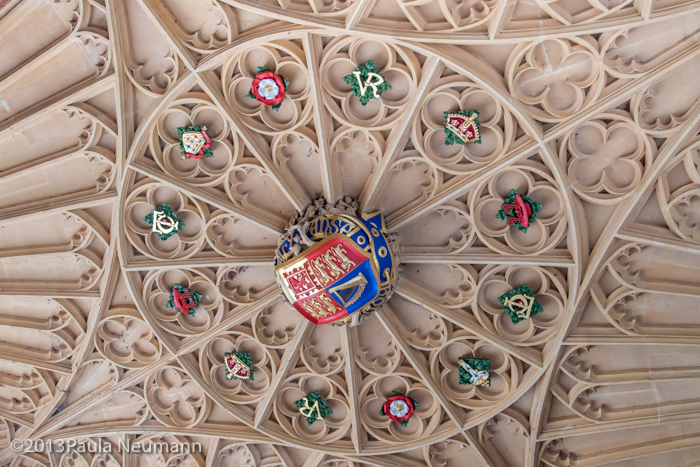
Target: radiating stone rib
point(322, 124)
point(399, 135)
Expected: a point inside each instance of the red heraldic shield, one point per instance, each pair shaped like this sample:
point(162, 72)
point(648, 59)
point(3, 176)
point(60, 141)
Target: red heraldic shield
point(329, 280)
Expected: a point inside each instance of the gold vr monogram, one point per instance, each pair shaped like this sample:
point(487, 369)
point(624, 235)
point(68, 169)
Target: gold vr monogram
point(368, 82)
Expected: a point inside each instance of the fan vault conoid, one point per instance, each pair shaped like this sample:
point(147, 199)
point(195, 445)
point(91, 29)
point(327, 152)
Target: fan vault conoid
point(540, 310)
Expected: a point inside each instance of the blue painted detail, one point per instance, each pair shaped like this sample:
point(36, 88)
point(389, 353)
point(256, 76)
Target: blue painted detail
point(368, 294)
point(375, 222)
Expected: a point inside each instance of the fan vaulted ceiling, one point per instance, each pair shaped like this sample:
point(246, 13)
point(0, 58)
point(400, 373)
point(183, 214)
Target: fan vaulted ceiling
point(590, 107)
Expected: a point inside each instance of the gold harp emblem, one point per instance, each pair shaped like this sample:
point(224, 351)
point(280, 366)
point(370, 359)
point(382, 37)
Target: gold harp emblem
point(350, 291)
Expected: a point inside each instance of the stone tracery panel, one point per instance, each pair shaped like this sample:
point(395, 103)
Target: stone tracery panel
point(662, 107)
point(386, 369)
point(576, 82)
point(174, 399)
point(285, 58)
point(457, 225)
point(454, 93)
point(481, 303)
point(75, 55)
point(400, 67)
point(288, 361)
point(203, 26)
point(194, 109)
point(157, 288)
point(50, 330)
point(125, 339)
point(535, 181)
point(623, 55)
point(677, 193)
point(636, 298)
point(143, 200)
point(607, 157)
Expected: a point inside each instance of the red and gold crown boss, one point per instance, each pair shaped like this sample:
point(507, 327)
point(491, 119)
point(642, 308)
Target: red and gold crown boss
point(349, 269)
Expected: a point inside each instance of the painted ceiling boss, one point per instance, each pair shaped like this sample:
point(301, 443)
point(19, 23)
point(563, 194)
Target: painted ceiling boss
point(333, 265)
point(518, 210)
point(268, 88)
point(462, 127)
point(367, 82)
point(195, 142)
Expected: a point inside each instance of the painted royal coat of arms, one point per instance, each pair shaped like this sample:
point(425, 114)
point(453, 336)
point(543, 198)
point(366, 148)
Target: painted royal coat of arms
point(336, 265)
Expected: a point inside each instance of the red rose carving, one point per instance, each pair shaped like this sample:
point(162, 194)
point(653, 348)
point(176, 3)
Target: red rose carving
point(402, 408)
point(280, 85)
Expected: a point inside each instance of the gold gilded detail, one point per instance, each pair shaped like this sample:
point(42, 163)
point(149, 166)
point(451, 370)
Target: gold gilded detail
point(521, 305)
point(360, 282)
point(331, 265)
point(320, 272)
point(462, 131)
point(307, 409)
point(239, 369)
point(477, 378)
point(319, 307)
point(314, 279)
point(341, 257)
point(368, 82)
point(193, 141)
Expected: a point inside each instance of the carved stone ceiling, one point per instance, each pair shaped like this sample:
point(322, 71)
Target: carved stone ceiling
point(592, 108)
